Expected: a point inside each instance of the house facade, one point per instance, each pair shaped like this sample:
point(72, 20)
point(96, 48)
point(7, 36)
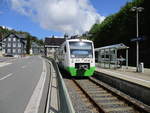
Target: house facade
point(13, 45)
point(35, 49)
point(0, 49)
point(51, 44)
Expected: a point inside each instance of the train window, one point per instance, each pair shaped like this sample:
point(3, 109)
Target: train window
point(65, 49)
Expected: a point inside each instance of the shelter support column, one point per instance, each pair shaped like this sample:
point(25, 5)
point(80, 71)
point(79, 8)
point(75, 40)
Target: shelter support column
point(104, 57)
point(116, 60)
point(109, 58)
point(127, 58)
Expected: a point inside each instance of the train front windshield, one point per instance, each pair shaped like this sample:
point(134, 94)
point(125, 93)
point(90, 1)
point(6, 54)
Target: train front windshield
point(81, 49)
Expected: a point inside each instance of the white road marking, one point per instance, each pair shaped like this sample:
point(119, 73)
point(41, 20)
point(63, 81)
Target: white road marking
point(23, 66)
point(127, 76)
point(10, 74)
point(4, 64)
point(33, 104)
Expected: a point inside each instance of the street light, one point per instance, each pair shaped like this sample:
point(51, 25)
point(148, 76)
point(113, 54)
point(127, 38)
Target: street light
point(137, 10)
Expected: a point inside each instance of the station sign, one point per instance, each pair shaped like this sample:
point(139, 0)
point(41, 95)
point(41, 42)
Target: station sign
point(137, 39)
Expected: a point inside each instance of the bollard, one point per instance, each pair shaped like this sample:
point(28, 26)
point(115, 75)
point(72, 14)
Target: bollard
point(141, 67)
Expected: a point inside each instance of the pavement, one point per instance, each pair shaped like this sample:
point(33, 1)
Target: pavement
point(18, 82)
point(54, 93)
point(6, 59)
point(129, 74)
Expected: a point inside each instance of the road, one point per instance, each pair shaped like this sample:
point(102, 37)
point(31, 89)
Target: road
point(17, 83)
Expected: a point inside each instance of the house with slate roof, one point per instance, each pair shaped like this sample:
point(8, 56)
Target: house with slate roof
point(14, 44)
point(51, 44)
point(35, 48)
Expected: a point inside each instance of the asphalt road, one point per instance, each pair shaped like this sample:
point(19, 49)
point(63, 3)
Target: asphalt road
point(17, 83)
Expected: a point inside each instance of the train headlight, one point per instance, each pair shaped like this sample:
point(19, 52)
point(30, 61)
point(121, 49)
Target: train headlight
point(73, 56)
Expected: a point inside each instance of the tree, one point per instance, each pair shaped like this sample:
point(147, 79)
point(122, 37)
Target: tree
point(28, 45)
point(121, 28)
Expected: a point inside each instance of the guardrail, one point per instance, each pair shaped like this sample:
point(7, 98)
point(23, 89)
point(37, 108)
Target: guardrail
point(65, 102)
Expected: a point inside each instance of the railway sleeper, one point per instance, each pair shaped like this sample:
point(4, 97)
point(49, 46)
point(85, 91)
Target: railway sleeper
point(121, 110)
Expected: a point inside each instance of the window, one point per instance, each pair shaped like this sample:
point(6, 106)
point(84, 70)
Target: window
point(9, 39)
point(81, 49)
point(14, 44)
point(14, 50)
point(19, 44)
point(9, 45)
point(4, 51)
point(14, 39)
point(3, 45)
point(19, 50)
point(8, 50)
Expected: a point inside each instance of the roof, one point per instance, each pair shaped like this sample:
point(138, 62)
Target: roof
point(54, 41)
point(115, 46)
point(22, 36)
point(19, 36)
point(84, 40)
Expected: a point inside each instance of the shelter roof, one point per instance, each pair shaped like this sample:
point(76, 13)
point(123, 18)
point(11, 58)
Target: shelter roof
point(115, 46)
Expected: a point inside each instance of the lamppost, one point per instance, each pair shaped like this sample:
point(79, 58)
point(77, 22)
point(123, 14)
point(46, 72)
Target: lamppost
point(137, 10)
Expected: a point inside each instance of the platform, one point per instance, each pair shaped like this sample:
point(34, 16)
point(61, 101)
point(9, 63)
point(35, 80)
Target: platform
point(129, 74)
point(53, 100)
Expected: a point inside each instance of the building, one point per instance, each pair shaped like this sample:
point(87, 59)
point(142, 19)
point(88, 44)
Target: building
point(0, 48)
point(51, 44)
point(13, 44)
point(35, 49)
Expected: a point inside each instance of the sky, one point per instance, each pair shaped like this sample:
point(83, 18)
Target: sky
point(43, 18)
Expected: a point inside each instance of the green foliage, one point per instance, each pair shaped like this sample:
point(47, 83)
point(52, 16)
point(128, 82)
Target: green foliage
point(121, 28)
point(28, 45)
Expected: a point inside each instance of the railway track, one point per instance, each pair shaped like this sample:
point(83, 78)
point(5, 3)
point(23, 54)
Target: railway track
point(101, 99)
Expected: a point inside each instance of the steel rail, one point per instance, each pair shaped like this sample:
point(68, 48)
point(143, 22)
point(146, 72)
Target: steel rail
point(120, 97)
point(130, 101)
point(90, 98)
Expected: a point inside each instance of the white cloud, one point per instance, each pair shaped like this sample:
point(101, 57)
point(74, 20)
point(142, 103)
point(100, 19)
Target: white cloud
point(70, 16)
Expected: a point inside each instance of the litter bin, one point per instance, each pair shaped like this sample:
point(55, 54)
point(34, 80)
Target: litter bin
point(141, 67)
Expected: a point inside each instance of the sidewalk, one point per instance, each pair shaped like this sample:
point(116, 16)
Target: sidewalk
point(129, 74)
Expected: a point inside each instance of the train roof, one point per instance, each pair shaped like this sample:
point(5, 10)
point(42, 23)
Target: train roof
point(74, 40)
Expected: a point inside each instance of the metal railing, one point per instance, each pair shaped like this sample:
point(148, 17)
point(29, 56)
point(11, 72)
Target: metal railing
point(65, 102)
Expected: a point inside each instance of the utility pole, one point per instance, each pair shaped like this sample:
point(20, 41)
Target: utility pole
point(137, 10)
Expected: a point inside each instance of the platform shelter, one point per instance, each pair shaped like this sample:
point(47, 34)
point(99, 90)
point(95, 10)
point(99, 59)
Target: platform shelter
point(109, 57)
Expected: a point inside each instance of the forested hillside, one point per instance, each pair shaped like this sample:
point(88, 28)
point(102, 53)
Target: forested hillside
point(121, 28)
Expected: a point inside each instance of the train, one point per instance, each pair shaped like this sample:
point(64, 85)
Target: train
point(77, 57)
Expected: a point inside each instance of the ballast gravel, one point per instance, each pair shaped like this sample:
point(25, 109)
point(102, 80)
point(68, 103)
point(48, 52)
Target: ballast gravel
point(77, 102)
